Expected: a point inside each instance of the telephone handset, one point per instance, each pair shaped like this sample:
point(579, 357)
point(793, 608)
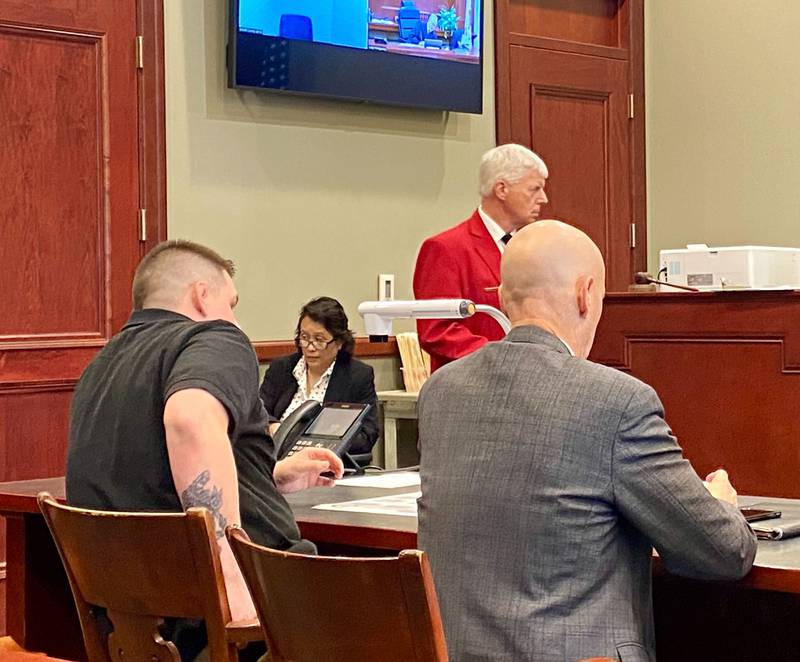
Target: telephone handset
point(293, 426)
point(332, 425)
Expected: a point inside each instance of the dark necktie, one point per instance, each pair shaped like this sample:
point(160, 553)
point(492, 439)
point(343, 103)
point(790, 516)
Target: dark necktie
point(506, 238)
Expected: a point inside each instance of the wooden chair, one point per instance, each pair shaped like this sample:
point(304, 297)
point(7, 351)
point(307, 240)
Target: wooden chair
point(341, 609)
point(141, 568)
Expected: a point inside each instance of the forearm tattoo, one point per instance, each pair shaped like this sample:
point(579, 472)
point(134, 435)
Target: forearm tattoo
point(197, 494)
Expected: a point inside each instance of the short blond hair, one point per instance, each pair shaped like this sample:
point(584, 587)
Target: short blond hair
point(507, 163)
point(175, 264)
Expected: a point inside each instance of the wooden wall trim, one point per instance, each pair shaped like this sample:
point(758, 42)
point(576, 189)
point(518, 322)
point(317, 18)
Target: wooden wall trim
point(638, 137)
point(734, 344)
point(51, 341)
point(52, 366)
point(502, 76)
point(547, 43)
point(38, 386)
point(152, 123)
point(33, 370)
point(266, 350)
point(30, 367)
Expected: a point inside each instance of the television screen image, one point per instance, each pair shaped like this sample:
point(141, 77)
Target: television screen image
point(422, 53)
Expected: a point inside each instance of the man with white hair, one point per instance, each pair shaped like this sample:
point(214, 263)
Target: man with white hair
point(464, 261)
point(547, 479)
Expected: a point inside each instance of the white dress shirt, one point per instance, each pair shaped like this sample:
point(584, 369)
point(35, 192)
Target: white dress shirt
point(317, 391)
point(497, 233)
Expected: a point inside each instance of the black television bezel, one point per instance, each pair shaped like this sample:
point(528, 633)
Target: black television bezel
point(405, 61)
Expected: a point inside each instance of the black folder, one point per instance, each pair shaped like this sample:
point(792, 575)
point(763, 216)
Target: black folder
point(780, 531)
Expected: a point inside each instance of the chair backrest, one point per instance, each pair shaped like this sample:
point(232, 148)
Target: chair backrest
point(407, 22)
point(296, 26)
point(140, 568)
point(341, 609)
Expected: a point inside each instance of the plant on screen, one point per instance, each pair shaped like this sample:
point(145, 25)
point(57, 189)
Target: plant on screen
point(448, 19)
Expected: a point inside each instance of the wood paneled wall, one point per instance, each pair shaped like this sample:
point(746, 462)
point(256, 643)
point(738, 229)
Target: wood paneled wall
point(83, 151)
point(727, 368)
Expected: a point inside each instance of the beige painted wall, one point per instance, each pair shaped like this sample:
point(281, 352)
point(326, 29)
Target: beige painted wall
point(313, 197)
point(723, 122)
point(308, 196)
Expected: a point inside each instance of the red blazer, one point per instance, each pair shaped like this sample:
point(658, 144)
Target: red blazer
point(458, 263)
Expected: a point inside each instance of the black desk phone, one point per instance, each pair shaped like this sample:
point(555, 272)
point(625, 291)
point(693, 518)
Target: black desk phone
point(332, 425)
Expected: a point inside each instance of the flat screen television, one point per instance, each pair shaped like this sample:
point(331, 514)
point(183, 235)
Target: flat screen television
point(420, 53)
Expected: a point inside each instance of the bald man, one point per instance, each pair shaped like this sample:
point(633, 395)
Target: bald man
point(547, 480)
point(168, 413)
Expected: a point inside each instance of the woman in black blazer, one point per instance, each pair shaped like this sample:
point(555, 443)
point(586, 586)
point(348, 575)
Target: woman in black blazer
point(322, 369)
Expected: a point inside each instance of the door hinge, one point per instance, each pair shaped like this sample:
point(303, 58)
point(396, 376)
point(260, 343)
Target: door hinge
point(142, 225)
point(633, 235)
point(139, 52)
point(630, 106)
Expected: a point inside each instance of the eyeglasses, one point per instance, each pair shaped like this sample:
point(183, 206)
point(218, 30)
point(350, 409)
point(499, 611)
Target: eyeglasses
point(317, 343)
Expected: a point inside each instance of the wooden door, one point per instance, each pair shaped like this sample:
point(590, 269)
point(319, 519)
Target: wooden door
point(574, 115)
point(566, 73)
point(71, 185)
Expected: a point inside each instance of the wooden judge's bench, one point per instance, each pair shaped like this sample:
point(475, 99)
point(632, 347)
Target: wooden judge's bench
point(726, 365)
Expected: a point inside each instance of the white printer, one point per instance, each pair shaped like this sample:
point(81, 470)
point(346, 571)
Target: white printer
point(732, 267)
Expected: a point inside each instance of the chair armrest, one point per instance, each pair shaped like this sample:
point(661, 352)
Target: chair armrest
point(244, 632)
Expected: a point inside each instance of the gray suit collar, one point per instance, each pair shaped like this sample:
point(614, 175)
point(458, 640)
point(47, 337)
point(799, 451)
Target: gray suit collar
point(538, 336)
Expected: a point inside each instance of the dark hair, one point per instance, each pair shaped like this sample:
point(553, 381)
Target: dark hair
point(329, 313)
point(149, 273)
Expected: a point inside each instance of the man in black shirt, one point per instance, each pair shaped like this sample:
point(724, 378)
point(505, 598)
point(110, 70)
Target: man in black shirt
point(168, 410)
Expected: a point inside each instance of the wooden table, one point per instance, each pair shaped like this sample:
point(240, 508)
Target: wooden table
point(396, 405)
point(748, 620)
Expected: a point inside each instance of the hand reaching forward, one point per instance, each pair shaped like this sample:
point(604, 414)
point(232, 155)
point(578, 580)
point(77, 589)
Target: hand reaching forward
point(302, 470)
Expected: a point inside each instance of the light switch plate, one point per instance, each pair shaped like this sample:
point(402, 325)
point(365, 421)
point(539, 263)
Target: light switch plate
point(385, 287)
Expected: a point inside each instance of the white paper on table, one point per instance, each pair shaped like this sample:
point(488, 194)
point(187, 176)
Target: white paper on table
point(404, 505)
point(387, 480)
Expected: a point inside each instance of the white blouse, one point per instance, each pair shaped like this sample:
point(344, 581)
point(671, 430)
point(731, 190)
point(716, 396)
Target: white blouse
point(317, 391)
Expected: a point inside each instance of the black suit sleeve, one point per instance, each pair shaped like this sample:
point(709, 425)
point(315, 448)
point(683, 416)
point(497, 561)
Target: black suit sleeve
point(274, 386)
point(364, 392)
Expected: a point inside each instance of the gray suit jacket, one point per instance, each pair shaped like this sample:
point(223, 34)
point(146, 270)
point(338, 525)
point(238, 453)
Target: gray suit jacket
point(546, 481)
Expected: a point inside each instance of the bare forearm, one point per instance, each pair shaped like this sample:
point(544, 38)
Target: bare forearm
point(202, 492)
point(204, 474)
